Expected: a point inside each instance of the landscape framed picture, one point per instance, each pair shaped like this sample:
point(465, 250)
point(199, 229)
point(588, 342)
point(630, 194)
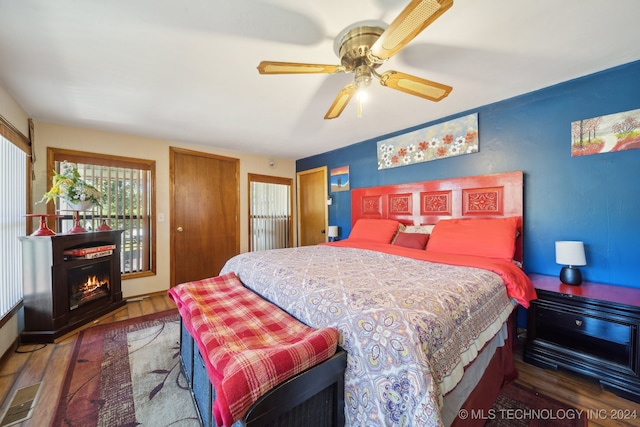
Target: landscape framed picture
point(605, 134)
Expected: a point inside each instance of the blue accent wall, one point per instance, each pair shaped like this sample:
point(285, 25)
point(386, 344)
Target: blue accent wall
point(593, 198)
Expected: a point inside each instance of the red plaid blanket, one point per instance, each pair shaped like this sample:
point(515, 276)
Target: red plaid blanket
point(248, 344)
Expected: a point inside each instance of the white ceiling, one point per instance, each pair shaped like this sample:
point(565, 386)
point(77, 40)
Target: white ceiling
point(185, 70)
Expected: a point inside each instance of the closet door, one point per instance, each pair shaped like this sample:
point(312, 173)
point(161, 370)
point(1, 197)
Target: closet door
point(312, 206)
point(205, 230)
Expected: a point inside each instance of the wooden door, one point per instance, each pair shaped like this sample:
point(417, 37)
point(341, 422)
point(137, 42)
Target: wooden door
point(312, 206)
point(205, 230)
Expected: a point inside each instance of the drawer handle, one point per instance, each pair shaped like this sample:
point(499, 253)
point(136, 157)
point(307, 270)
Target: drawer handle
point(579, 322)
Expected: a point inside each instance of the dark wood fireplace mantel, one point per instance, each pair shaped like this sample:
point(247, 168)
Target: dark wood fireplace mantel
point(46, 270)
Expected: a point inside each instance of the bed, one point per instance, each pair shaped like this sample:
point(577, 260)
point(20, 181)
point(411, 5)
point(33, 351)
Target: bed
point(428, 331)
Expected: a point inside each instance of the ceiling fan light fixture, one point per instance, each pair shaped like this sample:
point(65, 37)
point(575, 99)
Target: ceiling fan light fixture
point(363, 76)
point(364, 46)
point(361, 97)
point(362, 81)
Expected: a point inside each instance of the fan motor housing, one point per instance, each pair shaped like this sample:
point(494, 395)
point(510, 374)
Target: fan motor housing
point(354, 44)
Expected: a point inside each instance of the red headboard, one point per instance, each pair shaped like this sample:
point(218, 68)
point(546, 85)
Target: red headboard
point(420, 203)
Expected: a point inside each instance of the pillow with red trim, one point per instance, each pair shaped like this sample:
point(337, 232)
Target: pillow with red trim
point(412, 240)
point(401, 228)
point(490, 237)
point(374, 230)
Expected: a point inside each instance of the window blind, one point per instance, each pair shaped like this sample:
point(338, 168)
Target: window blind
point(270, 216)
point(13, 208)
point(127, 206)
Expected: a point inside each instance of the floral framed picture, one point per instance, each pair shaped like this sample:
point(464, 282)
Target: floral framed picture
point(452, 138)
point(604, 134)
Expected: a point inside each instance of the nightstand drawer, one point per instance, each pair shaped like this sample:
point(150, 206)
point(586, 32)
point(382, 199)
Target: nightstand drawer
point(599, 337)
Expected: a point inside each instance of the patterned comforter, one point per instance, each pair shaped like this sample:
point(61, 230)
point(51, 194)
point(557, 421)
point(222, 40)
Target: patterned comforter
point(409, 326)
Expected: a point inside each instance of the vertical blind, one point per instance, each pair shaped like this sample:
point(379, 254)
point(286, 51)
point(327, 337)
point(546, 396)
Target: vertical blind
point(13, 208)
point(270, 216)
point(127, 206)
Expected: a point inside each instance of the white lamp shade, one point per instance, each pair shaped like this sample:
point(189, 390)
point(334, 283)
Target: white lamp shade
point(570, 253)
point(333, 231)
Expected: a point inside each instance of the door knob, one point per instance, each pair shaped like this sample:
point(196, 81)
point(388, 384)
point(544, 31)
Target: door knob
point(179, 229)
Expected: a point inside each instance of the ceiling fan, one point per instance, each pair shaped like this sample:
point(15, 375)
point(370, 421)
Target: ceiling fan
point(364, 46)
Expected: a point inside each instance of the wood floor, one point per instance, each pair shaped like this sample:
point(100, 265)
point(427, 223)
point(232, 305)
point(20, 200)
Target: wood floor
point(31, 364)
point(47, 364)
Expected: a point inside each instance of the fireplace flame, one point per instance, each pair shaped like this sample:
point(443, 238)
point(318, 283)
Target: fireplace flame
point(87, 287)
point(92, 284)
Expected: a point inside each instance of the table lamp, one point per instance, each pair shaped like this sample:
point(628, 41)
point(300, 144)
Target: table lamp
point(333, 232)
point(570, 254)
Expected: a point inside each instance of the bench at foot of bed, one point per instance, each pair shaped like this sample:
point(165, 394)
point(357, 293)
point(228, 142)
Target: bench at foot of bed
point(313, 398)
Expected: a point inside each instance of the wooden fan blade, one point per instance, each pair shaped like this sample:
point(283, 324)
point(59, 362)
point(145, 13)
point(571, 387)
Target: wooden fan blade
point(411, 21)
point(415, 85)
point(341, 101)
point(270, 67)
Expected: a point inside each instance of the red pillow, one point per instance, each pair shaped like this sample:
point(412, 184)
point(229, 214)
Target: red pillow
point(412, 240)
point(491, 238)
point(374, 230)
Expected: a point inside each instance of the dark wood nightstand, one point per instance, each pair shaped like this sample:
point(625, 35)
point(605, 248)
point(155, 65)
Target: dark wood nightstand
point(592, 329)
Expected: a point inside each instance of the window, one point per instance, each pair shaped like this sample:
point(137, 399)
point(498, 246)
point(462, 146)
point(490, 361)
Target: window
point(127, 185)
point(14, 167)
point(269, 212)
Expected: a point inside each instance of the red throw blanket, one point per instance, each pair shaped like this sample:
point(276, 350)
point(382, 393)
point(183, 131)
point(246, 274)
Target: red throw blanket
point(248, 344)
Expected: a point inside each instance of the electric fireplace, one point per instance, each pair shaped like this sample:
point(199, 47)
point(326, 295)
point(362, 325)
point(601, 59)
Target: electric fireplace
point(69, 280)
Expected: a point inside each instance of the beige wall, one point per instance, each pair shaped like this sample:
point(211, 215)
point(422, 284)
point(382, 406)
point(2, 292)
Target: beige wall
point(53, 135)
point(13, 112)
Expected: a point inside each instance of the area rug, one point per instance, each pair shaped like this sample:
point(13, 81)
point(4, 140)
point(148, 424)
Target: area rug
point(519, 406)
point(127, 374)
